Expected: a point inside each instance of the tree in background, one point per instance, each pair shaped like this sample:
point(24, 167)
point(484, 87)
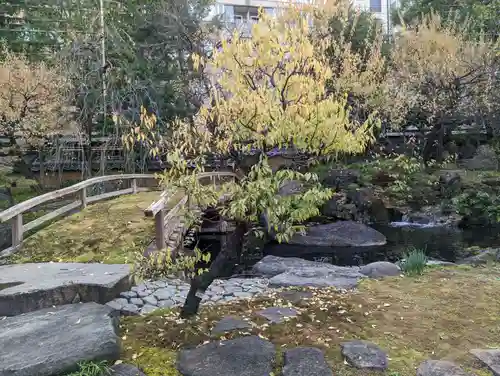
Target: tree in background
point(357, 54)
point(480, 17)
point(271, 92)
point(31, 98)
point(147, 51)
point(441, 79)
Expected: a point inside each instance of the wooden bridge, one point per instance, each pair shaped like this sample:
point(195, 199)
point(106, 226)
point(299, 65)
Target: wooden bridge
point(169, 224)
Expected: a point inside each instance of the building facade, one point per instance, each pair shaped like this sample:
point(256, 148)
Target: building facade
point(241, 14)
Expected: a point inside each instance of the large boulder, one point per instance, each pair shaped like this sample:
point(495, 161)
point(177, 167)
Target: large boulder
point(245, 356)
point(28, 287)
point(340, 234)
point(53, 341)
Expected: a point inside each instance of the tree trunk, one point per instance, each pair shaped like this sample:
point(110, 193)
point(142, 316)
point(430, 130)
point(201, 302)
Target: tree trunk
point(222, 266)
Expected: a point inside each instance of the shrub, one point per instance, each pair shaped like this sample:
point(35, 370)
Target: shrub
point(414, 262)
point(478, 207)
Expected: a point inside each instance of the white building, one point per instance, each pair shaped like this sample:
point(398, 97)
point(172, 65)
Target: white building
point(243, 13)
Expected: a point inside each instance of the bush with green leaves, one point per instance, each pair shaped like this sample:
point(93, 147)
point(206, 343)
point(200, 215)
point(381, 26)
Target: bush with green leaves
point(478, 207)
point(414, 262)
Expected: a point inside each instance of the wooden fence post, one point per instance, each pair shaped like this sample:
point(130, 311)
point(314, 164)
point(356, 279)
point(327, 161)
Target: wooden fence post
point(17, 230)
point(83, 197)
point(133, 184)
point(160, 230)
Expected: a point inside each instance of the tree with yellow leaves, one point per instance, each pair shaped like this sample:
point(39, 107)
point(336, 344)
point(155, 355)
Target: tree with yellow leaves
point(270, 92)
point(31, 98)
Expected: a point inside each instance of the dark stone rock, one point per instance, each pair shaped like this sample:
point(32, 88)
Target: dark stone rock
point(305, 361)
point(450, 183)
point(28, 287)
point(483, 257)
point(52, 341)
point(292, 271)
point(228, 324)
point(277, 314)
point(338, 207)
point(123, 370)
point(490, 358)
point(440, 368)
point(245, 356)
point(372, 207)
point(380, 269)
point(364, 355)
point(340, 234)
point(295, 296)
point(340, 178)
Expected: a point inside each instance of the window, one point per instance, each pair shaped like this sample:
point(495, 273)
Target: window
point(246, 14)
point(376, 6)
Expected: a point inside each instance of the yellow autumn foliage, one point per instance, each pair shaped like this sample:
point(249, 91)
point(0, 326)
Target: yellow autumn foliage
point(271, 90)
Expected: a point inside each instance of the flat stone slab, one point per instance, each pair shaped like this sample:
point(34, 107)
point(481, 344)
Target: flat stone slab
point(228, 324)
point(293, 271)
point(440, 368)
point(490, 358)
point(364, 355)
point(305, 361)
point(52, 341)
point(245, 356)
point(277, 315)
point(29, 287)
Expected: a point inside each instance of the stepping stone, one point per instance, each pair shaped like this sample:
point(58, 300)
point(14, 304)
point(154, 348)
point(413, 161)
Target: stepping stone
point(228, 324)
point(440, 368)
point(380, 269)
point(277, 315)
point(364, 355)
point(29, 287)
point(295, 297)
point(52, 341)
point(305, 361)
point(490, 358)
point(245, 356)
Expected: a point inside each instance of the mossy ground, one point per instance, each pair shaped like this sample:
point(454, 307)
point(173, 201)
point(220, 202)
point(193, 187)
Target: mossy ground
point(440, 315)
point(109, 232)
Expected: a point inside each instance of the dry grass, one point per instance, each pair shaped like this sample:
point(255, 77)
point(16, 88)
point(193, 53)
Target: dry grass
point(109, 232)
point(440, 315)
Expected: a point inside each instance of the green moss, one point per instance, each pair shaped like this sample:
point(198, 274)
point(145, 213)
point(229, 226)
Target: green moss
point(153, 361)
point(109, 232)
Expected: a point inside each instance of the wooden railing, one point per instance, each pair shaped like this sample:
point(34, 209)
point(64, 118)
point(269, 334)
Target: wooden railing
point(15, 213)
point(164, 222)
